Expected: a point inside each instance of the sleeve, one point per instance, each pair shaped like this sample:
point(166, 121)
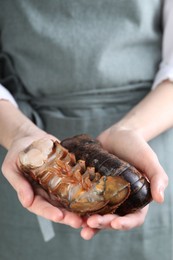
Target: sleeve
point(166, 66)
point(6, 95)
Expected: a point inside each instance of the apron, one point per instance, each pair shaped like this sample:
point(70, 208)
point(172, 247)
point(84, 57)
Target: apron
point(78, 67)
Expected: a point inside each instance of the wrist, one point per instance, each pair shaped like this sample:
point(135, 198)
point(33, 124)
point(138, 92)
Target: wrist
point(14, 124)
point(129, 124)
point(26, 129)
point(153, 115)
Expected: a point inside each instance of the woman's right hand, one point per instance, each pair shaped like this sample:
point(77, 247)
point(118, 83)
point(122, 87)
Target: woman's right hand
point(33, 199)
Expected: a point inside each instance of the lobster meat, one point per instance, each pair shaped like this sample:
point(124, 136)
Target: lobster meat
point(79, 175)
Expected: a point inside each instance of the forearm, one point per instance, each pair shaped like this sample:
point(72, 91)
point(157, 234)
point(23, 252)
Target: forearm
point(13, 123)
point(153, 115)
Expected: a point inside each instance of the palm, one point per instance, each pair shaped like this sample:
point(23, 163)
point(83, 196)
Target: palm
point(131, 147)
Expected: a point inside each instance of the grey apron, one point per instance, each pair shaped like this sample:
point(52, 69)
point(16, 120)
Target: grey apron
point(75, 67)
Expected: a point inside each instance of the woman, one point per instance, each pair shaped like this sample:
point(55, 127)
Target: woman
point(76, 67)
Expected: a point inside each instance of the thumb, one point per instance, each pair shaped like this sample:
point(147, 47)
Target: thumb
point(158, 181)
point(156, 175)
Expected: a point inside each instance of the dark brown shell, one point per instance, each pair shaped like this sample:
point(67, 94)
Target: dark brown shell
point(90, 150)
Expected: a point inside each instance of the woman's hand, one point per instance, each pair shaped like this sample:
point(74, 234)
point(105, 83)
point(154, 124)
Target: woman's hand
point(34, 199)
point(130, 146)
point(128, 140)
point(16, 133)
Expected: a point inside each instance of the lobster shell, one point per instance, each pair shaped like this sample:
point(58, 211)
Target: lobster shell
point(78, 174)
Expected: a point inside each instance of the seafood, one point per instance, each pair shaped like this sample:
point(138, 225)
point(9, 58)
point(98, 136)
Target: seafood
point(82, 177)
point(90, 150)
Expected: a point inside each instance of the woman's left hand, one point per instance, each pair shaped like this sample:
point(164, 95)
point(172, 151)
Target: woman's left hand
point(130, 146)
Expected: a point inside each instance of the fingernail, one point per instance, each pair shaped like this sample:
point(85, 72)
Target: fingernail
point(100, 222)
point(116, 225)
point(97, 223)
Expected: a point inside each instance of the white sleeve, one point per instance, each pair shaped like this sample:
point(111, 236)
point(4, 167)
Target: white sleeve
point(166, 66)
point(6, 95)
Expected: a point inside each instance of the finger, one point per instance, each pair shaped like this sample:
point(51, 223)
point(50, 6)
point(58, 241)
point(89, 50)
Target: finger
point(159, 183)
point(147, 162)
point(20, 184)
point(130, 221)
point(44, 209)
point(88, 233)
point(37, 204)
point(100, 222)
point(71, 219)
point(157, 176)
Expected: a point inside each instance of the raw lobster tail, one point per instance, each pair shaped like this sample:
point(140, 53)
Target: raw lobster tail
point(82, 177)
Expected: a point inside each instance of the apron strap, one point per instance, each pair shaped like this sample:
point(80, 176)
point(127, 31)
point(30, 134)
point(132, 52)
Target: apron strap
point(46, 228)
